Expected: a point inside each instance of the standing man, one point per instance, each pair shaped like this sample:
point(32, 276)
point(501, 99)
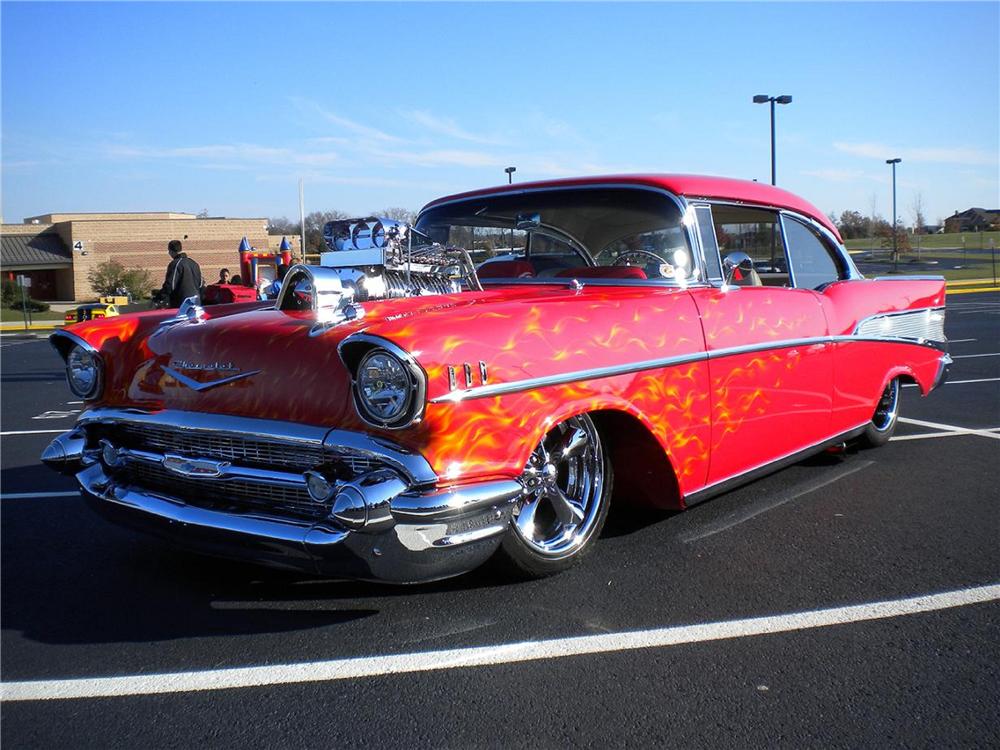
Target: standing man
point(183, 278)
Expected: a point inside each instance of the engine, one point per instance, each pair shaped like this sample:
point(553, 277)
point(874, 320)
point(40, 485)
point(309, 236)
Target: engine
point(379, 258)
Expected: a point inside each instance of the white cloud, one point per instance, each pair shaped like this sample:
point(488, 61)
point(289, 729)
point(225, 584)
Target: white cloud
point(446, 126)
point(942, 155)
point(225, 156)
point(314, 109)
point(438, 157)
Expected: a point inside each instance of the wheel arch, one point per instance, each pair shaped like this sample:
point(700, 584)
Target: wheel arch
point(644, 474)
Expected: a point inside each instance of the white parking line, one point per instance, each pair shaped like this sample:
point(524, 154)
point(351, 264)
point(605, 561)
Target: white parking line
point(957, 382)
point(982, 432)
point(973, 356)
point(36, 495)
point(29, 432)
point(961, 341)
point(483, 656)
point(956, 433)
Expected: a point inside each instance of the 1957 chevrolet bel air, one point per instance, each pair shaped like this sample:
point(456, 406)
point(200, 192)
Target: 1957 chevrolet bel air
point(486, 382)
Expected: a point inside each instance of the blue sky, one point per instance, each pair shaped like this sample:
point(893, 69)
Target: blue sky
point(165, 106)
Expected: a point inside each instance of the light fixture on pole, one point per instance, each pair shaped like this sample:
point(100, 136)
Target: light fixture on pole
point(764, 99)
point(895, 249)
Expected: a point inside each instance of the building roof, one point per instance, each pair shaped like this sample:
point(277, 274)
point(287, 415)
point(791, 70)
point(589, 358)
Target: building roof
point(687, 185)
point(112, 216)
point(46, 249)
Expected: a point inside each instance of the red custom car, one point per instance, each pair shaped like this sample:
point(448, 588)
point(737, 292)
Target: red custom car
point(487, 382)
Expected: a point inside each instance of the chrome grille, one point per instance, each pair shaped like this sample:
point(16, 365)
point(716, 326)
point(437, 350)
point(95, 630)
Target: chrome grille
point(232, 495)
point(235, 448)
point(236, 494)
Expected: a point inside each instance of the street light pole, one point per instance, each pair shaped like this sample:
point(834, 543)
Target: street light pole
point(895, 250)
point(763, 99)
point(510, 181)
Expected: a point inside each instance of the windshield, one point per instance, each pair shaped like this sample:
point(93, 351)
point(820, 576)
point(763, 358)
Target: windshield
point(622, 233)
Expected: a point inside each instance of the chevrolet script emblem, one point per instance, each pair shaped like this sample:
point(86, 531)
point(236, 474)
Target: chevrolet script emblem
point(204, 385)
point(201, 468)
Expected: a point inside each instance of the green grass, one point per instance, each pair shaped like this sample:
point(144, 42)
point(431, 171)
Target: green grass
point(7, 315)
point(973, 240)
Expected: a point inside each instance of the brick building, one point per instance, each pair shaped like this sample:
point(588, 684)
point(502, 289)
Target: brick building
point(973, 220)
point(58, 250)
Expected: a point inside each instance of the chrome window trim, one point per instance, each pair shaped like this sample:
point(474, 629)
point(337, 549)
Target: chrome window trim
point(679, 200)
point(853, 274)
point(419, 378)
point(715, 238)
point(595, 373)
point(831, 244)
point(788, 252)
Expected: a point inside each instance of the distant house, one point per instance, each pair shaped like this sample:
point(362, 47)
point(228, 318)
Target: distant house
point(973, 220)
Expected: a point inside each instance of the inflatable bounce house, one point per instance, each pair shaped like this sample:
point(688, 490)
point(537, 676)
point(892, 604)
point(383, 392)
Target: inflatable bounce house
point(258, 269)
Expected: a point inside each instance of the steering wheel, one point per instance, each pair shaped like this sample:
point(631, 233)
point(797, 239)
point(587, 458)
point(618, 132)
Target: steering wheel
point(638, 253)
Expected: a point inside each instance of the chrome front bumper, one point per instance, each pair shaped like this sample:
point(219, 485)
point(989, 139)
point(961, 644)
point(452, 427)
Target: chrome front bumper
point(407, 533)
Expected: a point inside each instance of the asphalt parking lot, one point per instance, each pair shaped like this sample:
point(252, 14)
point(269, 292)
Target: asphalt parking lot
point(878, 573)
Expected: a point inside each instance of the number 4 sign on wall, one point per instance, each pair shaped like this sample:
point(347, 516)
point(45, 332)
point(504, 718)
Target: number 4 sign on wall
point(78, 246)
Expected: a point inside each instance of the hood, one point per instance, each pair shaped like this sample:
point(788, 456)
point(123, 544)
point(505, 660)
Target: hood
point(264, 363)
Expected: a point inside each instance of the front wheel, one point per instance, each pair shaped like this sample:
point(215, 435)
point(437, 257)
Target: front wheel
point(568, 489)
point(883, 424)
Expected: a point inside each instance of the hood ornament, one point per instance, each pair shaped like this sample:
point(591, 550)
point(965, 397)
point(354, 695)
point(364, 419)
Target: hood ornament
point(204, 385)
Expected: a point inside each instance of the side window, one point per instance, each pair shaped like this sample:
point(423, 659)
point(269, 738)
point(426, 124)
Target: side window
point(812, 263)
point(756, 232)
point(706, 231)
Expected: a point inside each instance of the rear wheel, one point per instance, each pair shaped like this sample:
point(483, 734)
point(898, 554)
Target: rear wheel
point(885, 418)
point(568, 482)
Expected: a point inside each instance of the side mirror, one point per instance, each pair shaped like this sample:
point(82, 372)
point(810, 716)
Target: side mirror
point(734, 262)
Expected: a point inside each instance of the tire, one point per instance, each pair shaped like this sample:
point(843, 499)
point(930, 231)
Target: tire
point(559, 519)
point(884, 420)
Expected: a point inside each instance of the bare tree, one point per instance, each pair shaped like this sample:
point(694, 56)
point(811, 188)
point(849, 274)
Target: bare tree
point(404, 215)
point(917, 208)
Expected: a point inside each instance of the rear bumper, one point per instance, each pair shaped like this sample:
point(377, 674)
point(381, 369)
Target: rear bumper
point(415, 534)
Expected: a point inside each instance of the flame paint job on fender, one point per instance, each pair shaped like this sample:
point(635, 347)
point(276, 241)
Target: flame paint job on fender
point(712, 417)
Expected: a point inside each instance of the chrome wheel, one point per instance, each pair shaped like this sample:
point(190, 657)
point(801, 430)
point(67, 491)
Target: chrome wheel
point(565, 483)
point(888, 407)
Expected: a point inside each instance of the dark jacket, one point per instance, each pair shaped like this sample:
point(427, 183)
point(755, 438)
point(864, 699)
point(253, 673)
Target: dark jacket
point(183, 280)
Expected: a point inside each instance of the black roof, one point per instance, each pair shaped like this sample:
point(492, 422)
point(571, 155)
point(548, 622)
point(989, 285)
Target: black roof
point(46, 249)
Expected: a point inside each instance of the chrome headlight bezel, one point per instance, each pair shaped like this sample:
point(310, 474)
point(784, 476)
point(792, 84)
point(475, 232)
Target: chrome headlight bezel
point(411, 380)
point(81, 360)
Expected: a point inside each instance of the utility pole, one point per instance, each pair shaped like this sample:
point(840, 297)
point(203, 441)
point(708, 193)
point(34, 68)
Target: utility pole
point(895, 249)
point(302, 221)
point(510, 181)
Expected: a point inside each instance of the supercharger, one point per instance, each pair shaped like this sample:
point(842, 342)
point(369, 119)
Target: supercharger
point(380, 258)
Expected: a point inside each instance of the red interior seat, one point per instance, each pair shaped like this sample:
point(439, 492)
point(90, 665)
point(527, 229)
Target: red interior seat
point(506, 269)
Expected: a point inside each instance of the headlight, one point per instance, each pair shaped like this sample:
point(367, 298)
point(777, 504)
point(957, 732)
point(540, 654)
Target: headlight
point(83, 372)
point(387, 389)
